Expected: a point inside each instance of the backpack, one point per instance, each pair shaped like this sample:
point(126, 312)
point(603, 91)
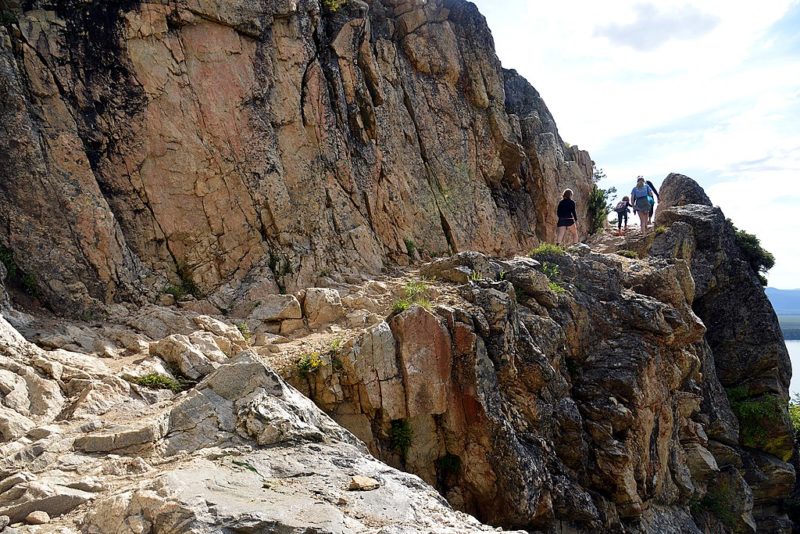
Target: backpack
point(621, 206)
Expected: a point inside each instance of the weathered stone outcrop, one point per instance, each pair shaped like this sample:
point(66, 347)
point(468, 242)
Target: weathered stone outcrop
point(532, 407)
point(236, 149)
point(748, 352)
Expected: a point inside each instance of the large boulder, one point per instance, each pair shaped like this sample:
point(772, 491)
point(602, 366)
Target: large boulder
point(680, 190)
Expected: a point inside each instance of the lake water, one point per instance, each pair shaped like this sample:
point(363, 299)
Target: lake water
point(794, 354)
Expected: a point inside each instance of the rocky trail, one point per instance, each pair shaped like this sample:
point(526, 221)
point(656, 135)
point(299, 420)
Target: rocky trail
point(99, 453)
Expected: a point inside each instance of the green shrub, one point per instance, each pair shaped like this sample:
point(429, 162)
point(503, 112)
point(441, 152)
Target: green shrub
point(245, 330)
point(556, 288)
point(550, 270)
point(309, 363)
point(756, 416)
point(598, 208)
point(411, 247)
point(401, 436)
point(415, 292)
point(660, 230)
point(7, 259)
point(333, 5)
point(760, 260)
point(158, 381)
point(547, 249)
point(794, 414)
point(401, 305)
point(176, 291)
point(415, 288)
point(628, 254)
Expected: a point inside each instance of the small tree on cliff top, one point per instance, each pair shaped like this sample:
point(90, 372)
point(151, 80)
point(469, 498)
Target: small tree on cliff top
point(760, 260)
point(599, 205)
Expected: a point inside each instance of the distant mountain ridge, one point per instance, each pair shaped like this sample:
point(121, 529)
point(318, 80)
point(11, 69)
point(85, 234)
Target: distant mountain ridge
point(785, 301)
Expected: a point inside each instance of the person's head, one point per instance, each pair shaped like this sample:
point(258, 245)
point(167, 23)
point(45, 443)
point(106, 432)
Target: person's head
point(567, 194)
point(626, 199)
point(640, 181)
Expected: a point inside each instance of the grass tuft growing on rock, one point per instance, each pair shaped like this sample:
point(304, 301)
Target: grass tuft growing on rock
point(414, 292)
point(157, 381)
point(552, 272)
point(245, 330)
point(555, 287)
point(547, 249)
point(630, 254)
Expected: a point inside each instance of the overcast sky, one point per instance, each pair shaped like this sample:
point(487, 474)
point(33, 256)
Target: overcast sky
point(710, 89)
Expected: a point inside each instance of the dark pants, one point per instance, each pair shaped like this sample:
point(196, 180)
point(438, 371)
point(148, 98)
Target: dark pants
point(620, 217)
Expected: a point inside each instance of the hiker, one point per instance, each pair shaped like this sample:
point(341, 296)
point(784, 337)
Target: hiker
point(567, 218)
point(641, 205)
point(622, 208)
point(652, 200)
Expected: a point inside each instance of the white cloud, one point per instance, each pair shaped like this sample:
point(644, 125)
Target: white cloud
point(654, 27)
point(719, 101)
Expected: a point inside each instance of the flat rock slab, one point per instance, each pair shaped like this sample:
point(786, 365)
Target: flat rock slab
point(121, 438)
point(29, 497)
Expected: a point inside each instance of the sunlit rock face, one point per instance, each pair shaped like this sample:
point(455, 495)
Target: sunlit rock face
point(646, 395)
point(241, 148)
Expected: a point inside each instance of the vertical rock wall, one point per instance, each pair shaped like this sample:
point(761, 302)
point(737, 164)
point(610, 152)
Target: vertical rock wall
point(241, 148)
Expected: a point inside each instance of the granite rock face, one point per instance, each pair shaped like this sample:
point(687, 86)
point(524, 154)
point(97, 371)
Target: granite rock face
point(239, 149)
point(749, 354)
point(540, 410)
point(607, 395)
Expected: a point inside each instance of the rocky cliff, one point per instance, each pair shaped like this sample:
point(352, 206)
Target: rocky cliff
point(335, 196)
point(584, 391)
point(609, 394)
point(238, 149)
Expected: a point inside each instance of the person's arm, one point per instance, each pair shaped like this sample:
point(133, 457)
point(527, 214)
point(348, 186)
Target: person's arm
point(574, 214)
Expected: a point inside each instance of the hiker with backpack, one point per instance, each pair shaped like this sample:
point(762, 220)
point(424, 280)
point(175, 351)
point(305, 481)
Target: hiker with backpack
point(567, 218)
point(641, 203)
point(623, 208)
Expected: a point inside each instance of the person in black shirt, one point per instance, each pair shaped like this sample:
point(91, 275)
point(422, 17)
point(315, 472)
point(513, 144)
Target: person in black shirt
point(567, 219)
